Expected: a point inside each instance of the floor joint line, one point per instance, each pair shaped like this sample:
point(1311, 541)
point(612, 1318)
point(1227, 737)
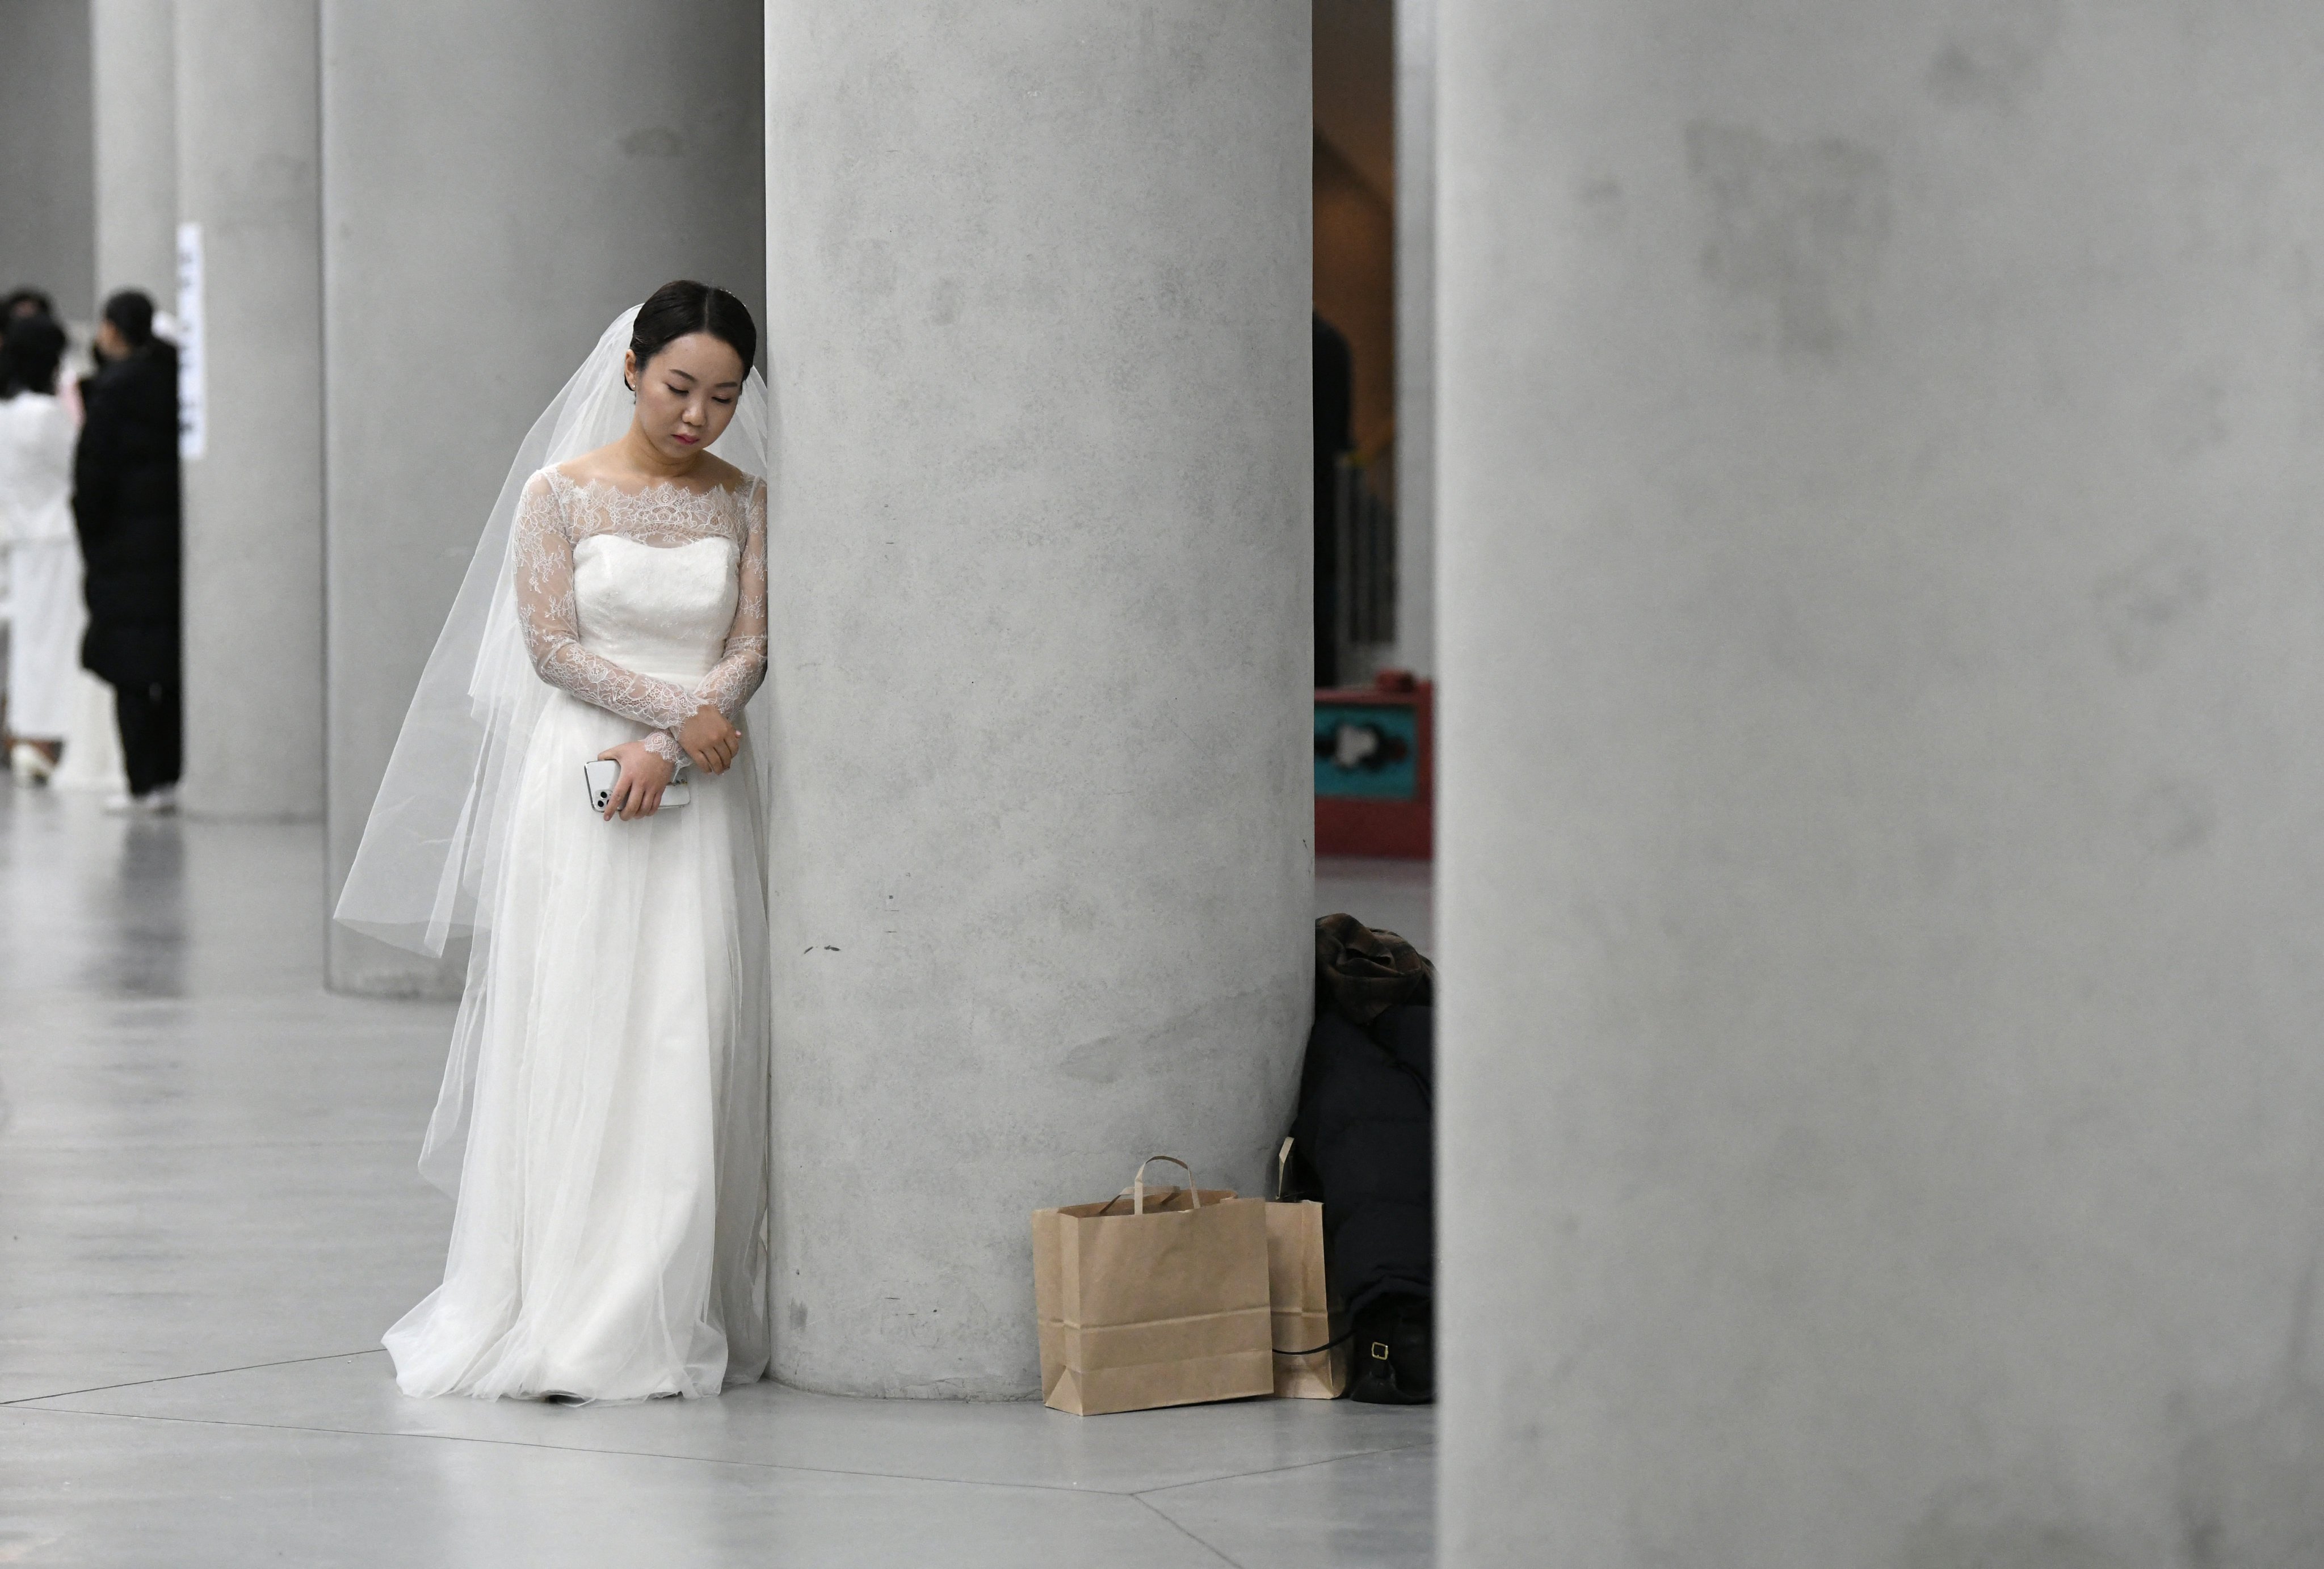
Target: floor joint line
point(1083, 1490)
point(1429, 1443)
point(1189, 1532)
point(176, 1378)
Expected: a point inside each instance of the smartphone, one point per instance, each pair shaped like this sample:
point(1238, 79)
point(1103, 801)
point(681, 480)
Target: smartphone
point(602, 773)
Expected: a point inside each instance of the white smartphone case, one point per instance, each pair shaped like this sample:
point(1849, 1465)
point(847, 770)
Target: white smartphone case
point(602, 774)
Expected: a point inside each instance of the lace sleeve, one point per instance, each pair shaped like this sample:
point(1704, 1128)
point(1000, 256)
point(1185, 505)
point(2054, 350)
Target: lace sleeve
point(743, 664)
point(544, 603)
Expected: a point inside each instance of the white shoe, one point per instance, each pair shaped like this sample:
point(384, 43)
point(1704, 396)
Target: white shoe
point(158, 802)
point(30, 764)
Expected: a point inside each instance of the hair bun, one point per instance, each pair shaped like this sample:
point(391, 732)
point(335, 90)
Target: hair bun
point(675, 309)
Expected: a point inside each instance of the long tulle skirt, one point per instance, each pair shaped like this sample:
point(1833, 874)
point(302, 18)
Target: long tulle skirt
point(610, 1242)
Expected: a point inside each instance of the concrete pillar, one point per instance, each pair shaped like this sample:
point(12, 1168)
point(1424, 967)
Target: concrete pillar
point(248, 157)
point(1041, 652)
point(47, 167)
point(500, 182)
point(135, 66)
point(1880, 1098)
point(1416, 336)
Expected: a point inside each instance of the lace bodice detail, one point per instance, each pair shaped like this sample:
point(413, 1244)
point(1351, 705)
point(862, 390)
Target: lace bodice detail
point(558, 514)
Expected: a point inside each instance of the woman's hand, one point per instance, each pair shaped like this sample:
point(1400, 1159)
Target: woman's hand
point(645, 774)
point(709, 739)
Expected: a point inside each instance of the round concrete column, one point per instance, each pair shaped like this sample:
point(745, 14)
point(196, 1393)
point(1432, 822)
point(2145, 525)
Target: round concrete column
point(500, 181)
point(134, 76)
point(1882, 609)
point(247, 184)
point(1039, 282)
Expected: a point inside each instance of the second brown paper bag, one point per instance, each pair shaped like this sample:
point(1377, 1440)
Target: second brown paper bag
point(1300, 1298)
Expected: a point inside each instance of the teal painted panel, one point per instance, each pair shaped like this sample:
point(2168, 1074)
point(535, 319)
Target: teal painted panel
point(1368, 751)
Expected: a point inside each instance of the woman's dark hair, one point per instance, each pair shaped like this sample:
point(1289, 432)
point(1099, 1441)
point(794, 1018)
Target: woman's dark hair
point(131, 312)
point(30, 352)
point(675, 310)
point(16, 301)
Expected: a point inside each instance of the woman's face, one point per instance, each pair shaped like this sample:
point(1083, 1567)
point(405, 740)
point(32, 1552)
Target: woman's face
point(686, 394)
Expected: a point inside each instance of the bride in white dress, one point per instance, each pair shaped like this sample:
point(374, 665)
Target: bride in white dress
point(605, 1105)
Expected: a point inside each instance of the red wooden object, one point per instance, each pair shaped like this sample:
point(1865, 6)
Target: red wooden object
point(1401, 829)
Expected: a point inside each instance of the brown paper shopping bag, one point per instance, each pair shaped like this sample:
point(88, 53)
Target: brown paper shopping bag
point(1154, 1297)
point(1311, 1355)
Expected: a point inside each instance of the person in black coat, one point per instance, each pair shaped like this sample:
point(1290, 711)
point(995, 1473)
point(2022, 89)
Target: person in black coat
point(126, 510)
point(1335, 386)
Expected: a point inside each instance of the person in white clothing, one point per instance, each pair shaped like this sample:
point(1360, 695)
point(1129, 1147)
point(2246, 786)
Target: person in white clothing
point(37, 431)
point(604, 1118)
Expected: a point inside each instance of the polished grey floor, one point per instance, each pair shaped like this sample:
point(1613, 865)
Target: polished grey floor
point(208, 1213)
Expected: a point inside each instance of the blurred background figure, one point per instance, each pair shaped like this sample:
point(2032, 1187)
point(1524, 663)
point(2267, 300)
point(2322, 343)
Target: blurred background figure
point(23, 302)
point(19, 302)
point(126, 507)
point(46, 620)
point(1334, 393)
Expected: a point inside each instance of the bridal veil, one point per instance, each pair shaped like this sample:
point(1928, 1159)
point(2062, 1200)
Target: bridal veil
point(424, 874)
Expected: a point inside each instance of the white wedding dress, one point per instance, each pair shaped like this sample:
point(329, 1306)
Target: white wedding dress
point(611, 1239)
point(36, 530)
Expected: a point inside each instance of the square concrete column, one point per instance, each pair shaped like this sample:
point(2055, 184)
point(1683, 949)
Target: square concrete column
point(500, 182)
point(1882, 881)
point(1415, 335)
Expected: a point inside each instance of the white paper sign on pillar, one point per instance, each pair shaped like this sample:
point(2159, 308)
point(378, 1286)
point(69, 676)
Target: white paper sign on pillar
point(192, 424)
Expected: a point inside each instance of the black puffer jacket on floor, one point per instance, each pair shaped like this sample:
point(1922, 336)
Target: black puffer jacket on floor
point(1364, 1144)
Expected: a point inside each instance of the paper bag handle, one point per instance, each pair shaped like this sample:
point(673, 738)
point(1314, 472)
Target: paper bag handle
point(1282, 1166)
point(1138, 1183)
